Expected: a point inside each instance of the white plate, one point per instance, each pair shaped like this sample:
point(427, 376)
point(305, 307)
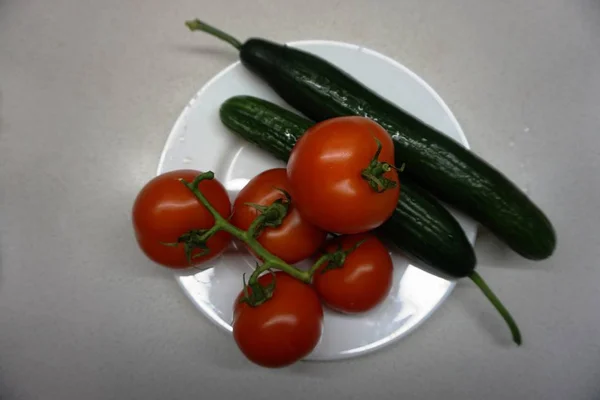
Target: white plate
point(199, 141)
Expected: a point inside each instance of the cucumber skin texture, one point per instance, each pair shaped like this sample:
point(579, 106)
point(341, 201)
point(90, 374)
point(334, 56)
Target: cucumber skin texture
point(420, 226)
point(265, 124)
point(440, 165)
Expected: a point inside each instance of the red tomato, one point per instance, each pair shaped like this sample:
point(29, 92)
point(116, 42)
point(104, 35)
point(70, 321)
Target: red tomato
point(325, 178)
point(362, 282)
point(282, 330)
point(165, 209)
point(292, 241)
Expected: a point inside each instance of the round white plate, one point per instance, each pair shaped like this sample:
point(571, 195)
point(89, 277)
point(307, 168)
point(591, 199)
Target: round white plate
point(199, 141)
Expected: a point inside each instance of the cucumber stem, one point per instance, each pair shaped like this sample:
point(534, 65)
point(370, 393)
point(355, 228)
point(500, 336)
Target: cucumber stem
point(512, 325)
point(197, 25)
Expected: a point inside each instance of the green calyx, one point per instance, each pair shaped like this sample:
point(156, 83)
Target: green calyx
point(375, 171)
point(271, 216)
point(256, 294)
point(337, 259)
point(192, 240)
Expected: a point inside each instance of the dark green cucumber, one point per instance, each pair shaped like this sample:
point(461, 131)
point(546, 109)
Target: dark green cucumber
point(445, 168)
point(420, 226)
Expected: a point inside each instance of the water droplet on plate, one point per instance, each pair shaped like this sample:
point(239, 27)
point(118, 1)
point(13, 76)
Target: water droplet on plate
point(511, 143)
point(526, 129)
point(182, 138)
point(187, 160)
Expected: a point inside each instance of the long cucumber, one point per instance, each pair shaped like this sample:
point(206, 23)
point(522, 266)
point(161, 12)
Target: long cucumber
point(442, 166)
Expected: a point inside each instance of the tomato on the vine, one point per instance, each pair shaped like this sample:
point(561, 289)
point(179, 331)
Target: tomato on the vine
point(282, 330)
point(295, 239)
point(342, 175)
point(165, 209)
point(362, 282)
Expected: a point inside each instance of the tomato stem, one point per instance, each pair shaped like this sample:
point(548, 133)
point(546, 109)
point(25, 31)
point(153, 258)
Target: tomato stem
point(270, 216)
point(322, 260)
point(374, 173)
point(259, 293)
point(256, 226)
point(209, 233)
point(274, 262)
point(337, 259)
point(512, 325)
point(197, 25)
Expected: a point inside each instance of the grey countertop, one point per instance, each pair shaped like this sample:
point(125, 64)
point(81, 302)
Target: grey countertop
point(88, 93)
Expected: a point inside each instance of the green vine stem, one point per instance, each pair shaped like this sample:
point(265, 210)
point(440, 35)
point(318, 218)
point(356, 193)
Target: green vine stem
point(272, 215)
point(269, 260)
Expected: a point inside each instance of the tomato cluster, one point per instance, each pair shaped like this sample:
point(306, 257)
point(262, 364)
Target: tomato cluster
point(340, 180)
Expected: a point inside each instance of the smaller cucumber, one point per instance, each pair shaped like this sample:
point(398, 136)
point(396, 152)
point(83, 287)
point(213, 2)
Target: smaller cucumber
point(267, 125)
point(420, 226)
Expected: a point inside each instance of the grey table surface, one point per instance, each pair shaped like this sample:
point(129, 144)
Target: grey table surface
point(88, 93)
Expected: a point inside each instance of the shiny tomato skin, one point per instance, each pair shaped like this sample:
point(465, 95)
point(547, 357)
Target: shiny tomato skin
point(165, 209)
point(284, 329)
point(324, 171)
point(364, 280)
point(295, 239)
